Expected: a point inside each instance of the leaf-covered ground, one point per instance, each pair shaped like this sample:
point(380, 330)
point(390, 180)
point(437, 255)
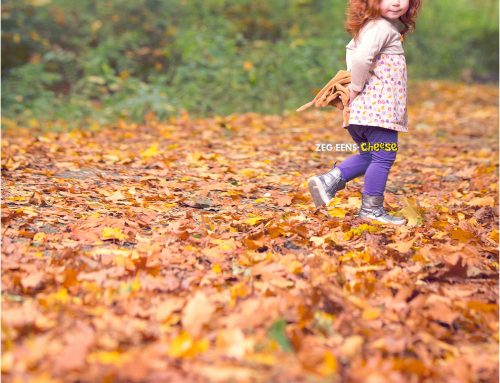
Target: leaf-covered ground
point(191, 251)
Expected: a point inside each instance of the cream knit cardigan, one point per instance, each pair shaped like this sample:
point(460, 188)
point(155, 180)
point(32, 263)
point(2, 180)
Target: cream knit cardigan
point(377, 36)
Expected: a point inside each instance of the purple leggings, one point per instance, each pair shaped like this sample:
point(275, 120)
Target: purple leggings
point(375, 165)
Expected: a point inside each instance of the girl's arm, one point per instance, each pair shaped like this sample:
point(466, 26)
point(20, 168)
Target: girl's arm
point(373, 37)
point(352, 94)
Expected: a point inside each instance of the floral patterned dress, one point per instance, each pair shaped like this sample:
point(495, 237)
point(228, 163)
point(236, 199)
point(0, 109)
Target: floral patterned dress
point(382, 102)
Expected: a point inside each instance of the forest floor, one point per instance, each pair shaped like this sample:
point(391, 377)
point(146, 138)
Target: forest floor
point(190, 250)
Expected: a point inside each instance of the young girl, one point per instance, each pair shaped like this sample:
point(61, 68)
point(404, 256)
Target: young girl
point(378, 93)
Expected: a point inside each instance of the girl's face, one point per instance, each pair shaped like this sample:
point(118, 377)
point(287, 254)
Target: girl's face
point(393, 9)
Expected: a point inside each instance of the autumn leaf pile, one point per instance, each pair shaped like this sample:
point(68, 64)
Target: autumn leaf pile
point(190, 251)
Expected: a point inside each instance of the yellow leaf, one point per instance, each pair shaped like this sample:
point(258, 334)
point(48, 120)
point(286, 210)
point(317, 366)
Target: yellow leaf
point(199, 347)
point(351, 347)
point(371, 313)
point(419, 257)
point(216, 268)
point(363, 256)
point(410, 212)
point(240, 290)
point(107, 357)
point(335, 201)
point(17, 198)
point(135, 285)
point(27, 211)
point(124, 74)
point(116, 196)
point(39, 3)
point(358, 230)
point(225, 244)
point(250, 173)
point(34, 123)
point(124, 261)
point(7, 362)
point(494, 235)
point(268, 359)
point(194, 157)
point(39, 237)
point(247, 65)
point(183, 345)
point(336, 212)
point(263, 199)
point(329, 365)
point(294, 267)
point(461, 235)
point(233, 192)
point(113, 233)
point(112, 156)
point(95, 26)
point(254, 219)
point(481, 306)
point(150, 152)
point(59, 297)
point(481, 201)
point(96, 80)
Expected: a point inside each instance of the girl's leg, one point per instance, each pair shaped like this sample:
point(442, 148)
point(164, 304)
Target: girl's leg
point(324, 187)
point(382, 160)
point(356, 165)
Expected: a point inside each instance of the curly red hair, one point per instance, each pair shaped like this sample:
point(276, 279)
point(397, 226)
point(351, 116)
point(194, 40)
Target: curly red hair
point(359, 12)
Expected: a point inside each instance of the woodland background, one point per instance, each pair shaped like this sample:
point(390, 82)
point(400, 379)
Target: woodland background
point(156, 222)
point(91, 61)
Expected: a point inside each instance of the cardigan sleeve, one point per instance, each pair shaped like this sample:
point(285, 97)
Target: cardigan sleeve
point(372, 39)
point(348, 53)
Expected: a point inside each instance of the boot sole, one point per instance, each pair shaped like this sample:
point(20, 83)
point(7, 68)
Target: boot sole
point(369, 219)
point(317, 192)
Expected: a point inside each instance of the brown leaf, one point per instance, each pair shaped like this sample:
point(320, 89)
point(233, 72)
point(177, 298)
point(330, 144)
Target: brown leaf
point(37, 199)
point(165, 308)
point(33, 281)
point(78, 341)
point(197, 313)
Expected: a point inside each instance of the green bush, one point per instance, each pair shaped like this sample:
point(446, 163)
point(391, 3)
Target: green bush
point(97, 60)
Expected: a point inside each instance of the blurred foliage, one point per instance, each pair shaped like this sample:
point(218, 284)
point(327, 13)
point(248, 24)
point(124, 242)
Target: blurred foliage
point(100, 60)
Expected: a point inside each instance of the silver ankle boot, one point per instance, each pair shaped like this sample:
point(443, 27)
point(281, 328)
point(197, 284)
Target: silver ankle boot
point(372, 206)
point(324, 186)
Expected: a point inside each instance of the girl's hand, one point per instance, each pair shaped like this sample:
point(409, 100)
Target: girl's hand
point(352, 95)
